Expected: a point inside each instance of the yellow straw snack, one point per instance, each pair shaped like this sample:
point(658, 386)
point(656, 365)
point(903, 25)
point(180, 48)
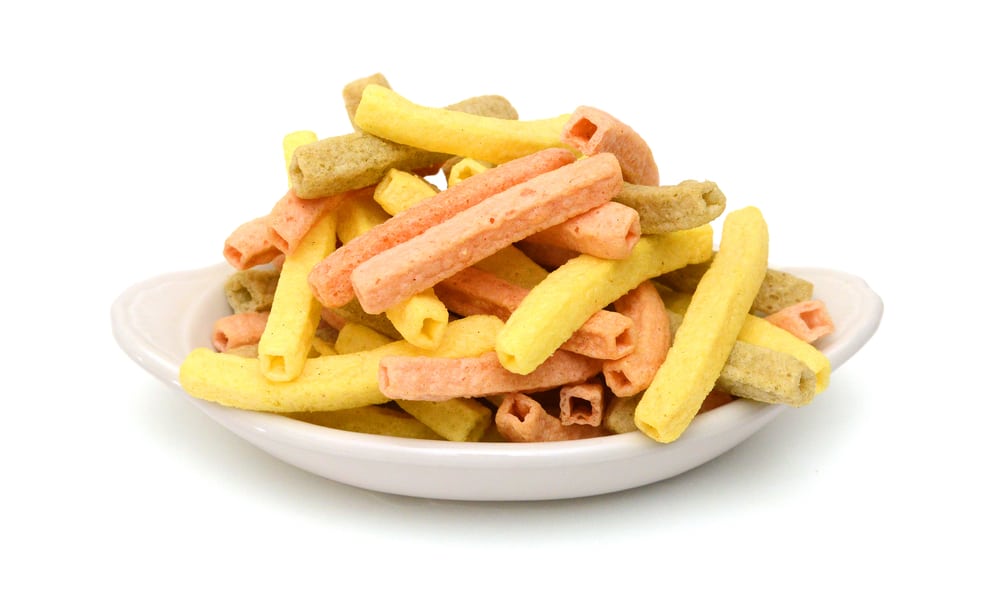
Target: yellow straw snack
point(711, 325)
point(420, 319)
point(465, 168)
point(458, 419)
point(292, 141)
point(355, 337)
point(355, 160)
point(295, 313)
point(759, 331)
point(374, 420)
point(560, 304)
point(327, 382)
point(513, 266)
point(399, 190)
point(357, 214)
point(388, 115)
point(352, 93)
point(778, 290)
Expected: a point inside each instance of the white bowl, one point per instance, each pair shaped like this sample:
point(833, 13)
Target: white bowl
point(158, 321)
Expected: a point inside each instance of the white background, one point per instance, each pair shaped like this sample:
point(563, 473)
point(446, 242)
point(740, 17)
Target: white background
point(135, 137)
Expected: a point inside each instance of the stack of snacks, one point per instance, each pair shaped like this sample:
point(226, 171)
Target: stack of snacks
point(553, 290)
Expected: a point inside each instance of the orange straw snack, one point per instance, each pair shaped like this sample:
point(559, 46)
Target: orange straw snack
point(438, 379)
point(330, 280)
point(593, 131)
point(633, 373)
point(481, 230)
point(250, 245)
point(605, 335)
point(236, 330)
point(807, 320)
point(609, 231)
point(292, 217)
point(522, 419)
point(582, 403)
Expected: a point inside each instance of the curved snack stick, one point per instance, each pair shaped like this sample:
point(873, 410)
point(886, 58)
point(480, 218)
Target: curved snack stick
point(374, 420)
point(605, 335)
point(766, 375)
point(436, 379)
point(326, 383)
point(711, 325)
point(251, 290)
point(483, 229)
point(291, 142)
point(807, 320)
point(337, 164)
point(582, 403)
point(561, 303)
point(250, 245)
point(388, 115)
point(609, 231)
point(352, 93)
point(521, 419)
point(592, 131)
point(673, 207)
point(634, 372)
point(235, 330)
point(330, 280)
point(420, 319)
point(295, 314)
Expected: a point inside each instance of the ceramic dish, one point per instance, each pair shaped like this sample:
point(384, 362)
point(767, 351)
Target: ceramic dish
point(158, 321)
